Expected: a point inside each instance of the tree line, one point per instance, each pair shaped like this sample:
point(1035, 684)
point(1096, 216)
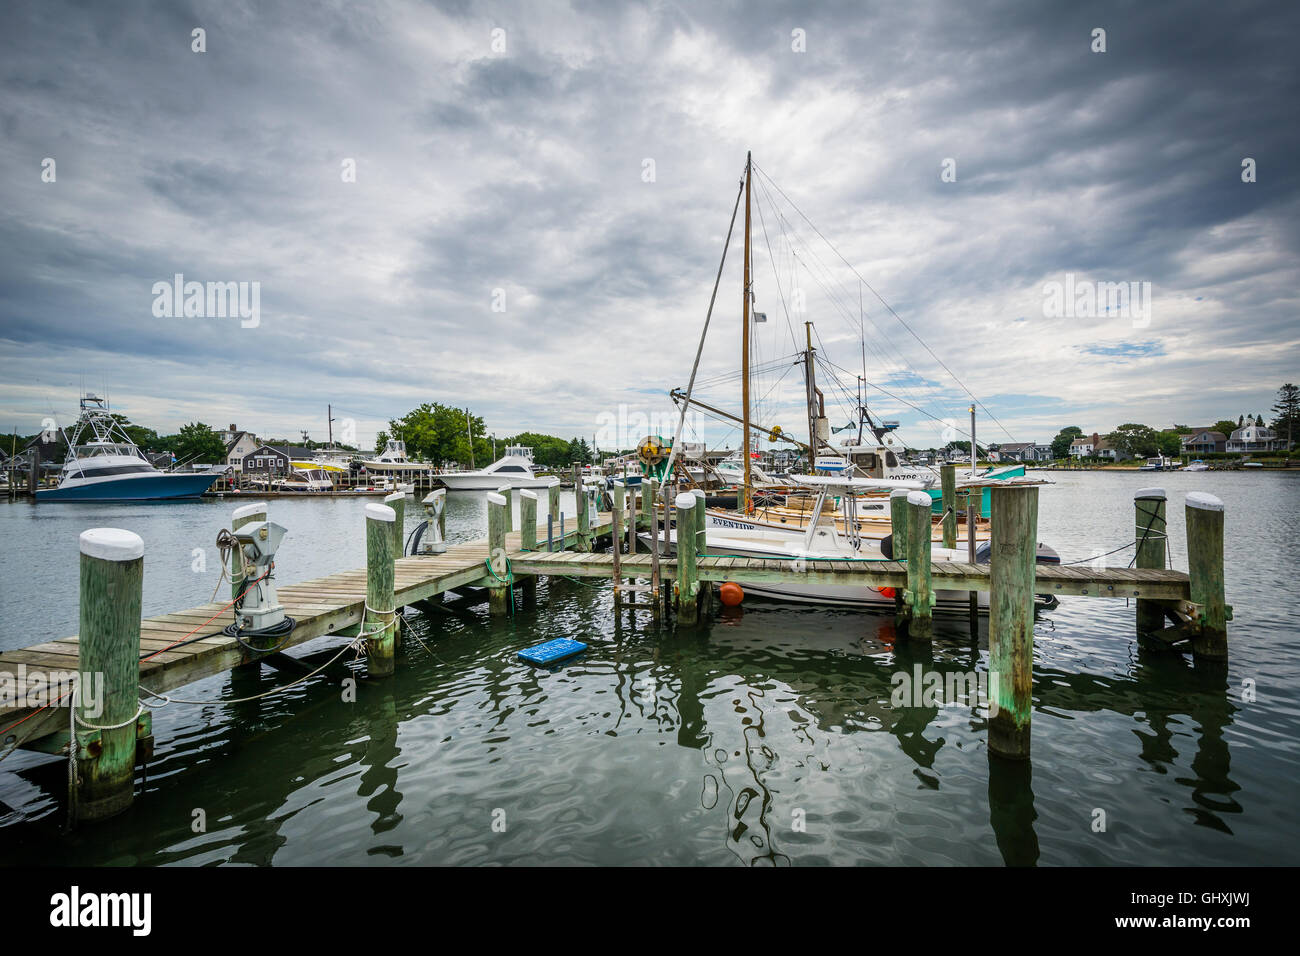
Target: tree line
point(1141, 441)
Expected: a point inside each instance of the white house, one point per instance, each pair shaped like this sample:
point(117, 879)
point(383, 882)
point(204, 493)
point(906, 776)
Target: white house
point(1250, 438)
point(1085, 446)
point(239, 445)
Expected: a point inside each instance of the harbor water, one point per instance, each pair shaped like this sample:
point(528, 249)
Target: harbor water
point(773, 736)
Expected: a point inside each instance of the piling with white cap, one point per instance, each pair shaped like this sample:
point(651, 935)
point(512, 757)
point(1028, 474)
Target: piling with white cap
point(688, 585)
point(528, 539)
point(498, 570)
point(107, 701)
point(1013, 543)
point(507, 491)
point(948, 481)
point(380, 620)
point(397, 501)
point(1205, 520)
point(583, 542)
point(1149, 537)
point(919, 598)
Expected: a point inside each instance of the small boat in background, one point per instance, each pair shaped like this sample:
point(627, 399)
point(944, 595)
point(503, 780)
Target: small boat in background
point(103, 464)
point(1197, 465)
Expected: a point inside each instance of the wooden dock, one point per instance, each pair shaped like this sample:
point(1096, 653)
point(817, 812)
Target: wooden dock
point(333, 604)
point(362, 607)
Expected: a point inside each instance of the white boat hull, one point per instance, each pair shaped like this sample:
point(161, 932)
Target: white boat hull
point(472, 481)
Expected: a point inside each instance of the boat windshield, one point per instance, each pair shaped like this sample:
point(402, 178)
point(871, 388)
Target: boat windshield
point(106, 448)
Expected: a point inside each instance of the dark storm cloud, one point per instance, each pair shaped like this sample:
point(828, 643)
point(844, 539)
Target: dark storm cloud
point(521, 169)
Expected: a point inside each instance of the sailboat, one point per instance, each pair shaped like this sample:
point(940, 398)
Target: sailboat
point(838, 516)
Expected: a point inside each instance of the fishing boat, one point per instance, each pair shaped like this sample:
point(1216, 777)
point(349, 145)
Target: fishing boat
point(842, 513)
point(824, 538)
point(103, 464)
point(514, 468)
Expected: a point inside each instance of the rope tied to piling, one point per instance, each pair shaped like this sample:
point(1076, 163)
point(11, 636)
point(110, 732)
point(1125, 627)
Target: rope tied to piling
point(74, 746)
point(365, 636)
point(508, 580)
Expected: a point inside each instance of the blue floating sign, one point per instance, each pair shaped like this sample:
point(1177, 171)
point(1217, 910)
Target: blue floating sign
point(552, 651)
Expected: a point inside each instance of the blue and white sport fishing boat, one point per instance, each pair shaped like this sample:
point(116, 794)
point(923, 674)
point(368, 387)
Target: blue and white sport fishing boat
point(103, 464)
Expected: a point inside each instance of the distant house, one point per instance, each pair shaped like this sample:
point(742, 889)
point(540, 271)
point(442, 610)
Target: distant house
point(1108, 451)
point(239, 445)
point(1042, 452)
point(1085, 446)
point(265, 459)
point(1203, 441)
point(1255, 438)
point(1017, 451)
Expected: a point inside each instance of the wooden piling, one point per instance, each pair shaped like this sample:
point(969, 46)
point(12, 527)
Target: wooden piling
point(1205, 521)
point(688, 585)
point(107, 702)
point(584, 517)
point(1149, 530)
point(1014, 541)
point(248, 514)
point(507, 492)
point(499, 588)
point(632, 521)
point(553, 504)
point(700, 523)
point(528, 539)
point(616, 538)
point(397, 501)
point(898, 515)
point(381, 615)
point(652, 516)
point(948, 479)
point(920, 597)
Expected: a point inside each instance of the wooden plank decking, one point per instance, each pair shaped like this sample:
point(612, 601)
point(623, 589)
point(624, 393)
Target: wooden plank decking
point(320, 606)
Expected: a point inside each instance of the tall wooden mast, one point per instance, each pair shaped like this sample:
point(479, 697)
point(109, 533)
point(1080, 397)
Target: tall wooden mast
point(744, 358)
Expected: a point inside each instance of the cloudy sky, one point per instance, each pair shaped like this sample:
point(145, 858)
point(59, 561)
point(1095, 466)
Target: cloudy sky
point(542, 192)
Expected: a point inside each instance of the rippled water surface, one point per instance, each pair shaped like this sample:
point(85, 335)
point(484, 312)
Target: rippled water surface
point(767, 737)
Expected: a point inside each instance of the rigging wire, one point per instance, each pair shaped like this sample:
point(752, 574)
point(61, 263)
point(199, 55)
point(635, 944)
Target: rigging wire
point(888, 307)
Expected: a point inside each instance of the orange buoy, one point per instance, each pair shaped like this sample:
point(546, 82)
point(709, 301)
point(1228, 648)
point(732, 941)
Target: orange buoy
point(731, 594)
point(885, 592)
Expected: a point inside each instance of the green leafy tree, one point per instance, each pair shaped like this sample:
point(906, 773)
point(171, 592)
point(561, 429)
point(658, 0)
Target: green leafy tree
point(1170, 442)
point(1136, 440)
point(146, 438)
point(1061, 443)
point(1286, 412)
point(1225, 427)
point(195, 442)
point(439, 433)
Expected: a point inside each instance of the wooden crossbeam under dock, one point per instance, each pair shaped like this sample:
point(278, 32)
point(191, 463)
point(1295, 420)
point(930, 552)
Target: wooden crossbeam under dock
point(945, 575)
point(321, 606)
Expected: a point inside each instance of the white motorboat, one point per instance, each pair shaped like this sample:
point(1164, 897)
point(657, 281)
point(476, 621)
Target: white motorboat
point(515, 469)
point(103, 464)
point(1197, 465)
